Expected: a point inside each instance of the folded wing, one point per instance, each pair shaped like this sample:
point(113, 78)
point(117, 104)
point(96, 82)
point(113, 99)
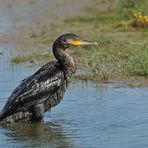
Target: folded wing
point(32, 90)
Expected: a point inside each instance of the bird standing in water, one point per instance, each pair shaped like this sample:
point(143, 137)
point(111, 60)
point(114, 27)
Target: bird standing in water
point(44, 89)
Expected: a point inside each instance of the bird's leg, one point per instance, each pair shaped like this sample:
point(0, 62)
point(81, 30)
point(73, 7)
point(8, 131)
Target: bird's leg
point(38, 112)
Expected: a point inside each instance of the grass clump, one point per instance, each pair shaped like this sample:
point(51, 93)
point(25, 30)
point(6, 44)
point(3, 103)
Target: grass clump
point(138, 63)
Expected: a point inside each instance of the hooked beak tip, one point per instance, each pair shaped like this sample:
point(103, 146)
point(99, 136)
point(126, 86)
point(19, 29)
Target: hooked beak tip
point(96, 43)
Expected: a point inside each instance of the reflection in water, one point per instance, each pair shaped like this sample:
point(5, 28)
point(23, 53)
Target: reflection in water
point(36, 135)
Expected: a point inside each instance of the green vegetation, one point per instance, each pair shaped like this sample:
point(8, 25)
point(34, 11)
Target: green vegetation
point(123, 48)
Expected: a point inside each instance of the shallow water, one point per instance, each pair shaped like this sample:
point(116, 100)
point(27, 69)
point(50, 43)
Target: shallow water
point(91, 115)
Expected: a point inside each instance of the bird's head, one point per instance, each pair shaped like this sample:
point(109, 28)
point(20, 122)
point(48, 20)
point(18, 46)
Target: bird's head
point(70, 39)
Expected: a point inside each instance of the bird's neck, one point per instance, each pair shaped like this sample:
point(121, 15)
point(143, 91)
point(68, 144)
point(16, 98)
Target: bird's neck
point(66, 61)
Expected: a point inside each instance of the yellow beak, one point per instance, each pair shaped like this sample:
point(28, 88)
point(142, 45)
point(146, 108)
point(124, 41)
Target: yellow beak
point(83, 42)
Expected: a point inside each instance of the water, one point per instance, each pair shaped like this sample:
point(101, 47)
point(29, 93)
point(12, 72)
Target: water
point(91, 115)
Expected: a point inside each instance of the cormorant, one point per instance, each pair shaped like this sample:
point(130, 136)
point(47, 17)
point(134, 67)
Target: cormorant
point(44, 89)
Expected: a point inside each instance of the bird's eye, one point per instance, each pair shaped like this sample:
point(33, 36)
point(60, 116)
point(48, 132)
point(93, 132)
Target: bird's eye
point(64, 42)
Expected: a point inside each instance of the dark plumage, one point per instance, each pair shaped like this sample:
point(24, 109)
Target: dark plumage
point(44, 89)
